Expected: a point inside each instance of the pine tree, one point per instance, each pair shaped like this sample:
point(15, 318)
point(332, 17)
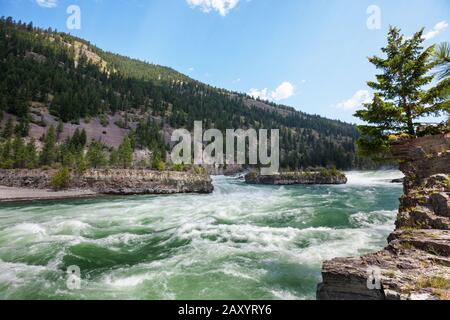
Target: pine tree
point(60, 129)
point(48, 153)
point(80, 163)
point(67, 157)
point(441, 92)
point(9, 129)
point(113, 158)
point(6, 155)
point(400, 99)
point(82, 139)
point(19, 153)
point(31, 154)
point(22, 127)
point(95, 155)
point(442, 58)
point(126, 153)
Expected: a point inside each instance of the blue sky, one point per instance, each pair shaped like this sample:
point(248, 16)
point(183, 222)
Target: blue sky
point(309, 54)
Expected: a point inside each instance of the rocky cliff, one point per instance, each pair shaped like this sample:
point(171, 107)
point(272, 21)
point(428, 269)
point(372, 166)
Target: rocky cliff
point(416, 262)
point(117, 181)
point(293, 178)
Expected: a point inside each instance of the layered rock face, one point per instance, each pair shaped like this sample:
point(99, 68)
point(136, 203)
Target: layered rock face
point(297, 178)
point(118, 181)
point(416, 262)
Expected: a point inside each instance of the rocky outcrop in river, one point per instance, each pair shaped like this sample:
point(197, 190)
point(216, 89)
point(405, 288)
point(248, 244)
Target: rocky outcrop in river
point(416, 262)
point(114, 181)
point(298, 178)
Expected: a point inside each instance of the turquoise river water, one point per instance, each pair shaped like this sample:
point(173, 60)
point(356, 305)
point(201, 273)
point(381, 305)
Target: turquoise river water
point(241, 242)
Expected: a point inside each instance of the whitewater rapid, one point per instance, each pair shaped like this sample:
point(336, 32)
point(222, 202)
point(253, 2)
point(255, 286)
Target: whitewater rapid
point(241, 242)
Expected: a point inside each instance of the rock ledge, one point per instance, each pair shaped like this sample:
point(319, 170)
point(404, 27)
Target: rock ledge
point(114, 181)
point(298, 178)
point(416, 263)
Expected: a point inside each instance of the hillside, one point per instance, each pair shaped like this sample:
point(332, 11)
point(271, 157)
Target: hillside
point(50, 79)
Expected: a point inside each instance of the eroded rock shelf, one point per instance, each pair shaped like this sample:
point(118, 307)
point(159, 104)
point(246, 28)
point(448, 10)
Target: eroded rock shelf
point(298, 178)
point(114, 182)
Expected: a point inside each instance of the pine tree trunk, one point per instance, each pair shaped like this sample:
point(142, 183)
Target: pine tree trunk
point(410, 123)
point(411, 129)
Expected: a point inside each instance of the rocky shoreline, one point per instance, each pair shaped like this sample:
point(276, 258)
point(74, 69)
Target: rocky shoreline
point(21, 195)
point(103, 182)
point(416, 263)
point(298, 178)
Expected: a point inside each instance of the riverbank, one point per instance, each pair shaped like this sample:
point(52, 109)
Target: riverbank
point(29, 185)
point(12, 195)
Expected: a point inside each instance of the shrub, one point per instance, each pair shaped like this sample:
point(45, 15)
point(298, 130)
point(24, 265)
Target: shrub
point(104, 120)
point(253, 175)
point(61, 179)
point(80, 163)
point(334, 171)
point(121, 124)
point(324, 173)
point(159, 165)
point(436, 282)
point(178, 167)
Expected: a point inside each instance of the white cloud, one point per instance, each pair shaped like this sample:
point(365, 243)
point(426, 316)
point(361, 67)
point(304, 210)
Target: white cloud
point(261, 94)
point(437, 29)
point(190, 69)
point(223, 7)
point(358, 99)
point(282, 92)
point(47, 3)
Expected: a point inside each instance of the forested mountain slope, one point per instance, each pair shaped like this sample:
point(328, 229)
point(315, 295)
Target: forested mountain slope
point(50, 78)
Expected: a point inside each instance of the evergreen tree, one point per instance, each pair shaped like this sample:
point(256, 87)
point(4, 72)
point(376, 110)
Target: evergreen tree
point(19, 153)
point(442, 58)
point(22, 127)
point(113, 158)
point(31, 155)
point(125, 153)
point(400, 99)
point(60, 129)
point(441, 91)
point(67, 157)
point(81, 165)
point(9, 129)
point(6, 155)
point(95, 155)
point(48, 153)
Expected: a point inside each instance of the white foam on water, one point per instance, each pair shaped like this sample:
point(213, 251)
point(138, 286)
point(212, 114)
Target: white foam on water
point(375, 219)
point(373, 178)
point(28, 228)
point(131, 281)
point(238, 272)
point(17, 274)
point(285, 295)
point(71, 227)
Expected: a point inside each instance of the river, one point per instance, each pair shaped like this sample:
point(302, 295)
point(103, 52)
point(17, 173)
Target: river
point(241, 242)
